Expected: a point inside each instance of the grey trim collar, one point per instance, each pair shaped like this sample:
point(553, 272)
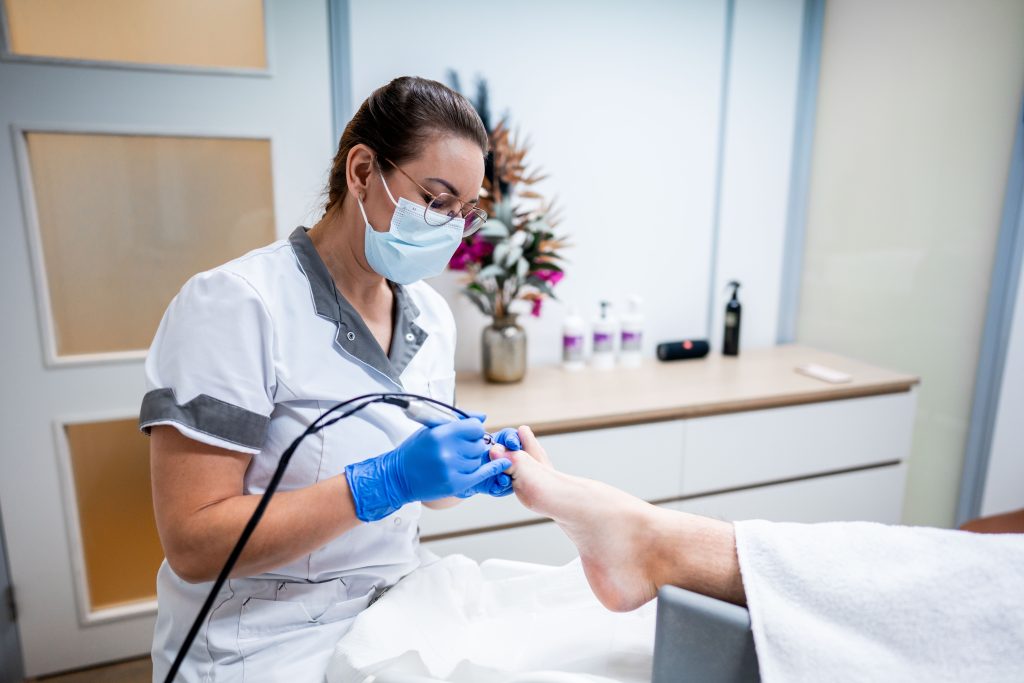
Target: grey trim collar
point(353, 334)
point(406, 336)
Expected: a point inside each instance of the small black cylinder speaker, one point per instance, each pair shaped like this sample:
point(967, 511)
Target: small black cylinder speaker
point(683, 350)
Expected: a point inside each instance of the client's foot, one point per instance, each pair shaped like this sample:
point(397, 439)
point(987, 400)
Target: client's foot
point(629, 548)
point(618, 536)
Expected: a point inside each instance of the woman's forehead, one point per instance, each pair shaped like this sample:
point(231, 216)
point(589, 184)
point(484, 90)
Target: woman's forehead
point(451, 153)
point(454, 163)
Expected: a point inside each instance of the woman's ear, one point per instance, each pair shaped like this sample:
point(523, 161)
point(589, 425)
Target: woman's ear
point(358, 168)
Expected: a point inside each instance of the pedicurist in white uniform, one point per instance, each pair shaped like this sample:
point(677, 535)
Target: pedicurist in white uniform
point(250, 353)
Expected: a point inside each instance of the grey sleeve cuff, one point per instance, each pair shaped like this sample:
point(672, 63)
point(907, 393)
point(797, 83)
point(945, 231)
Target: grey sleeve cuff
point(207, 415)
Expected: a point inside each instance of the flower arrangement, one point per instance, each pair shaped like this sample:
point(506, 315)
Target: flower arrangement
point(516, 255)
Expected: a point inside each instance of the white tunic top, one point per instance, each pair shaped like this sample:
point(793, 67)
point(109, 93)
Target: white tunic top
point(250, 353)
point(246, 357)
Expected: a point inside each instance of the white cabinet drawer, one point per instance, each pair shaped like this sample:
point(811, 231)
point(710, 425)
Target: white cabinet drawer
point(873, 495)
point(541, 543)
point(645, 460)
point(741, 449)
point(868, 495)
point(474, 513)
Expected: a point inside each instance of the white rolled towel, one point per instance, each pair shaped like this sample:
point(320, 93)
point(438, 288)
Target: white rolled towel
point(858, 601)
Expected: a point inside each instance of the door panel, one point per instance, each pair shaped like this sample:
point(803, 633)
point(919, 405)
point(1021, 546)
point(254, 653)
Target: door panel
point(119, 222)
point(230, 32)
point(142, 140)
point(110, 520)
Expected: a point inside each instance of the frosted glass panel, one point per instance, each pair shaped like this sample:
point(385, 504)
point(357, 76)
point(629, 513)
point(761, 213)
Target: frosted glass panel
point(911, 154)
point(125, 220)
point(223, 34)
point(121, 549)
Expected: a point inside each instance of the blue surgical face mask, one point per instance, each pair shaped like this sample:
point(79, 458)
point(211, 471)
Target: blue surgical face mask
point(412, 249)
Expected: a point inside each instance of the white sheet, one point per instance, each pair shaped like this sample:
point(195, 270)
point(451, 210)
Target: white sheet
point(499, 622)
point(866, 602)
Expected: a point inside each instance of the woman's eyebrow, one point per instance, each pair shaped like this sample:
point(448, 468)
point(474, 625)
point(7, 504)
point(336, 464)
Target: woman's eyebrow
point(451, 189)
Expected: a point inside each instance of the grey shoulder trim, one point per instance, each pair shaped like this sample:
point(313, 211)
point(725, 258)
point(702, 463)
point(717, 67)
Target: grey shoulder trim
point(205, 414)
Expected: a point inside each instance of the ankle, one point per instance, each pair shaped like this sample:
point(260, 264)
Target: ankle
point(663, 543)
point(695, 553)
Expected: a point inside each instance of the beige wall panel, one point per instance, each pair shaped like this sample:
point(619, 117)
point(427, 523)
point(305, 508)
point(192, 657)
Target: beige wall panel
point(121, 549)
point(917, 108)
point(221, 34)
point(125, 220)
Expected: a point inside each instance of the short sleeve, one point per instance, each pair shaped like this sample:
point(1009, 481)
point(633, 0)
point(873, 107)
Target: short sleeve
point(210, 369)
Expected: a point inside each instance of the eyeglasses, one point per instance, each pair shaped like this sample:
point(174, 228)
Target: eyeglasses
point(443, 208)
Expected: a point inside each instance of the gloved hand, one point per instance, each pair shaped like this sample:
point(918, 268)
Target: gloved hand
point(499, 485)
point(433, 463)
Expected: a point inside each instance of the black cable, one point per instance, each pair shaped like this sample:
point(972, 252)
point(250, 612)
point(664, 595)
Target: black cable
point(400, 400)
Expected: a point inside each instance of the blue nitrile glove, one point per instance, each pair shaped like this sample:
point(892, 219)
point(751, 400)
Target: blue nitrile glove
point(500, 484)
point(433, 463)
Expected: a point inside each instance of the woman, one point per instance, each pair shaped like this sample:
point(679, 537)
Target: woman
point(250, 353)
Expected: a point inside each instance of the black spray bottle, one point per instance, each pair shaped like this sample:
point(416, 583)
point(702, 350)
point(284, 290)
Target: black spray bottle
point(731, 338)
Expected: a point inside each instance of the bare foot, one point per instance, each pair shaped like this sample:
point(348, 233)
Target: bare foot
point(628, 548)
point(611, 529)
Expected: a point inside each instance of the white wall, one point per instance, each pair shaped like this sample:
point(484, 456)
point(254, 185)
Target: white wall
point(758, 153)
point(1004, 483)
point(621, 101)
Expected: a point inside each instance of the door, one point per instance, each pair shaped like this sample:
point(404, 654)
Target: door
point(1004, 480)
point(143, 142)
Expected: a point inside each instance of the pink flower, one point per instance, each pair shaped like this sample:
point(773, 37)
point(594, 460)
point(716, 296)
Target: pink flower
point(473, 251)
point(552, 277)
point(480, 249)
point(460, 258)
point(537, 303)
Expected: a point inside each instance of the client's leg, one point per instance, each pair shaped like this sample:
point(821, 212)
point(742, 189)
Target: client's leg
point(628, 548)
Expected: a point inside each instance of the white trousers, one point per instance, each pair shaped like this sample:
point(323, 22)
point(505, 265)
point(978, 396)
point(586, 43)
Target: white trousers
point(258, 629)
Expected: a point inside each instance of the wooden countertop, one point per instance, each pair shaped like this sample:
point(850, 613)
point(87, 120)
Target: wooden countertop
point(552, 400)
